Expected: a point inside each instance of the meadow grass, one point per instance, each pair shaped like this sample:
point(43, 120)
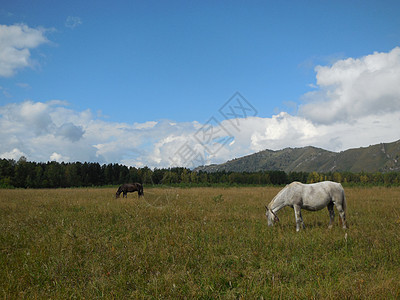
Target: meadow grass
point(194, 243)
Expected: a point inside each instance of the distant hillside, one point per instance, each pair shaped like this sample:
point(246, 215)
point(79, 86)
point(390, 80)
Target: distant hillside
point(383, 157)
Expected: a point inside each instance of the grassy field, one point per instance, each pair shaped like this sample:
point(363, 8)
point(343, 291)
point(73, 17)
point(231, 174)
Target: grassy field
point(194, 243)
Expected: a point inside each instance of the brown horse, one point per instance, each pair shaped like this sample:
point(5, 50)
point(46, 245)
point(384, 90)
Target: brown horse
point(129, 188)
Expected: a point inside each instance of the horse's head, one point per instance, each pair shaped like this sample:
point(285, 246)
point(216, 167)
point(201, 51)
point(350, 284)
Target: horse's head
point(119, 191)
point(271, 216)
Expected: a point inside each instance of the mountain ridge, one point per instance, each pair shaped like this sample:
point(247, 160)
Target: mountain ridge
point(383, 157)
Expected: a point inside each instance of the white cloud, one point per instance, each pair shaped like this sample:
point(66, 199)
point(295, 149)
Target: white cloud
point(37, 129)
point(77, 136)
point(14, 154)
point(58, 157)
point(357, 105)
point(354, 88)
point(16, 41)
point(280, 129)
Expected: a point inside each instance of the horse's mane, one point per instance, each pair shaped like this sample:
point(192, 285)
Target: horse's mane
point(277, 195)
point(282, 191)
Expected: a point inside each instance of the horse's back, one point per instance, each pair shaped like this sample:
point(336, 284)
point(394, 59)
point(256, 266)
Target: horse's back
point(133, 187)
point(316, 196)
point(334, 188)
point(326, 185)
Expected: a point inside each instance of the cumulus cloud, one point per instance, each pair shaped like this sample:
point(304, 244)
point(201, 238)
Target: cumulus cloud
point(38, 130)
point(354, 88)
point(33, 115)
point(58, 157)
point(14, 154)
point(281, 128)
point(165, 143)
point(355, 103)
point(16, 41)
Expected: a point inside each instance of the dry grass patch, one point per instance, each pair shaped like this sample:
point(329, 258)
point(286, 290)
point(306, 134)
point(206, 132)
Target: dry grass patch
point(194, 243)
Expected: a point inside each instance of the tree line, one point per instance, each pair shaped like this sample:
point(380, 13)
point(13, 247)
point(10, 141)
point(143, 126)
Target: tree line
point(26, 174)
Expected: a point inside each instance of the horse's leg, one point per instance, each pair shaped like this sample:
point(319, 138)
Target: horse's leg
point(302, 222)
point(331, 215)
point(342, 214)
point(299, 219)
point(125, 195)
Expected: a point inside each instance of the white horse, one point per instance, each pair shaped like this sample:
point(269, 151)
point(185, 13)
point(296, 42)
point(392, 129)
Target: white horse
point(313, 197)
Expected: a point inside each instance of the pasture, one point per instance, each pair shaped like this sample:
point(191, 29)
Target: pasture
point(195, 243)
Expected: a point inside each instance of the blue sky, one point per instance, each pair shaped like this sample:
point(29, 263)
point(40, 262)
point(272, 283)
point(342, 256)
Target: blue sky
point(157, 71)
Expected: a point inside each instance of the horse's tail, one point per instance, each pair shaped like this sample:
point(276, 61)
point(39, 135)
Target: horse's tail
point(140, 189)
point(344, 204)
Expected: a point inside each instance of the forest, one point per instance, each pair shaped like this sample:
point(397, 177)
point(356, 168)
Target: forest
point(26, 174)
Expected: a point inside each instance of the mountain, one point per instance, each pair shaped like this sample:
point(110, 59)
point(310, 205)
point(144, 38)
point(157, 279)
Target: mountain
point(382, 157)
